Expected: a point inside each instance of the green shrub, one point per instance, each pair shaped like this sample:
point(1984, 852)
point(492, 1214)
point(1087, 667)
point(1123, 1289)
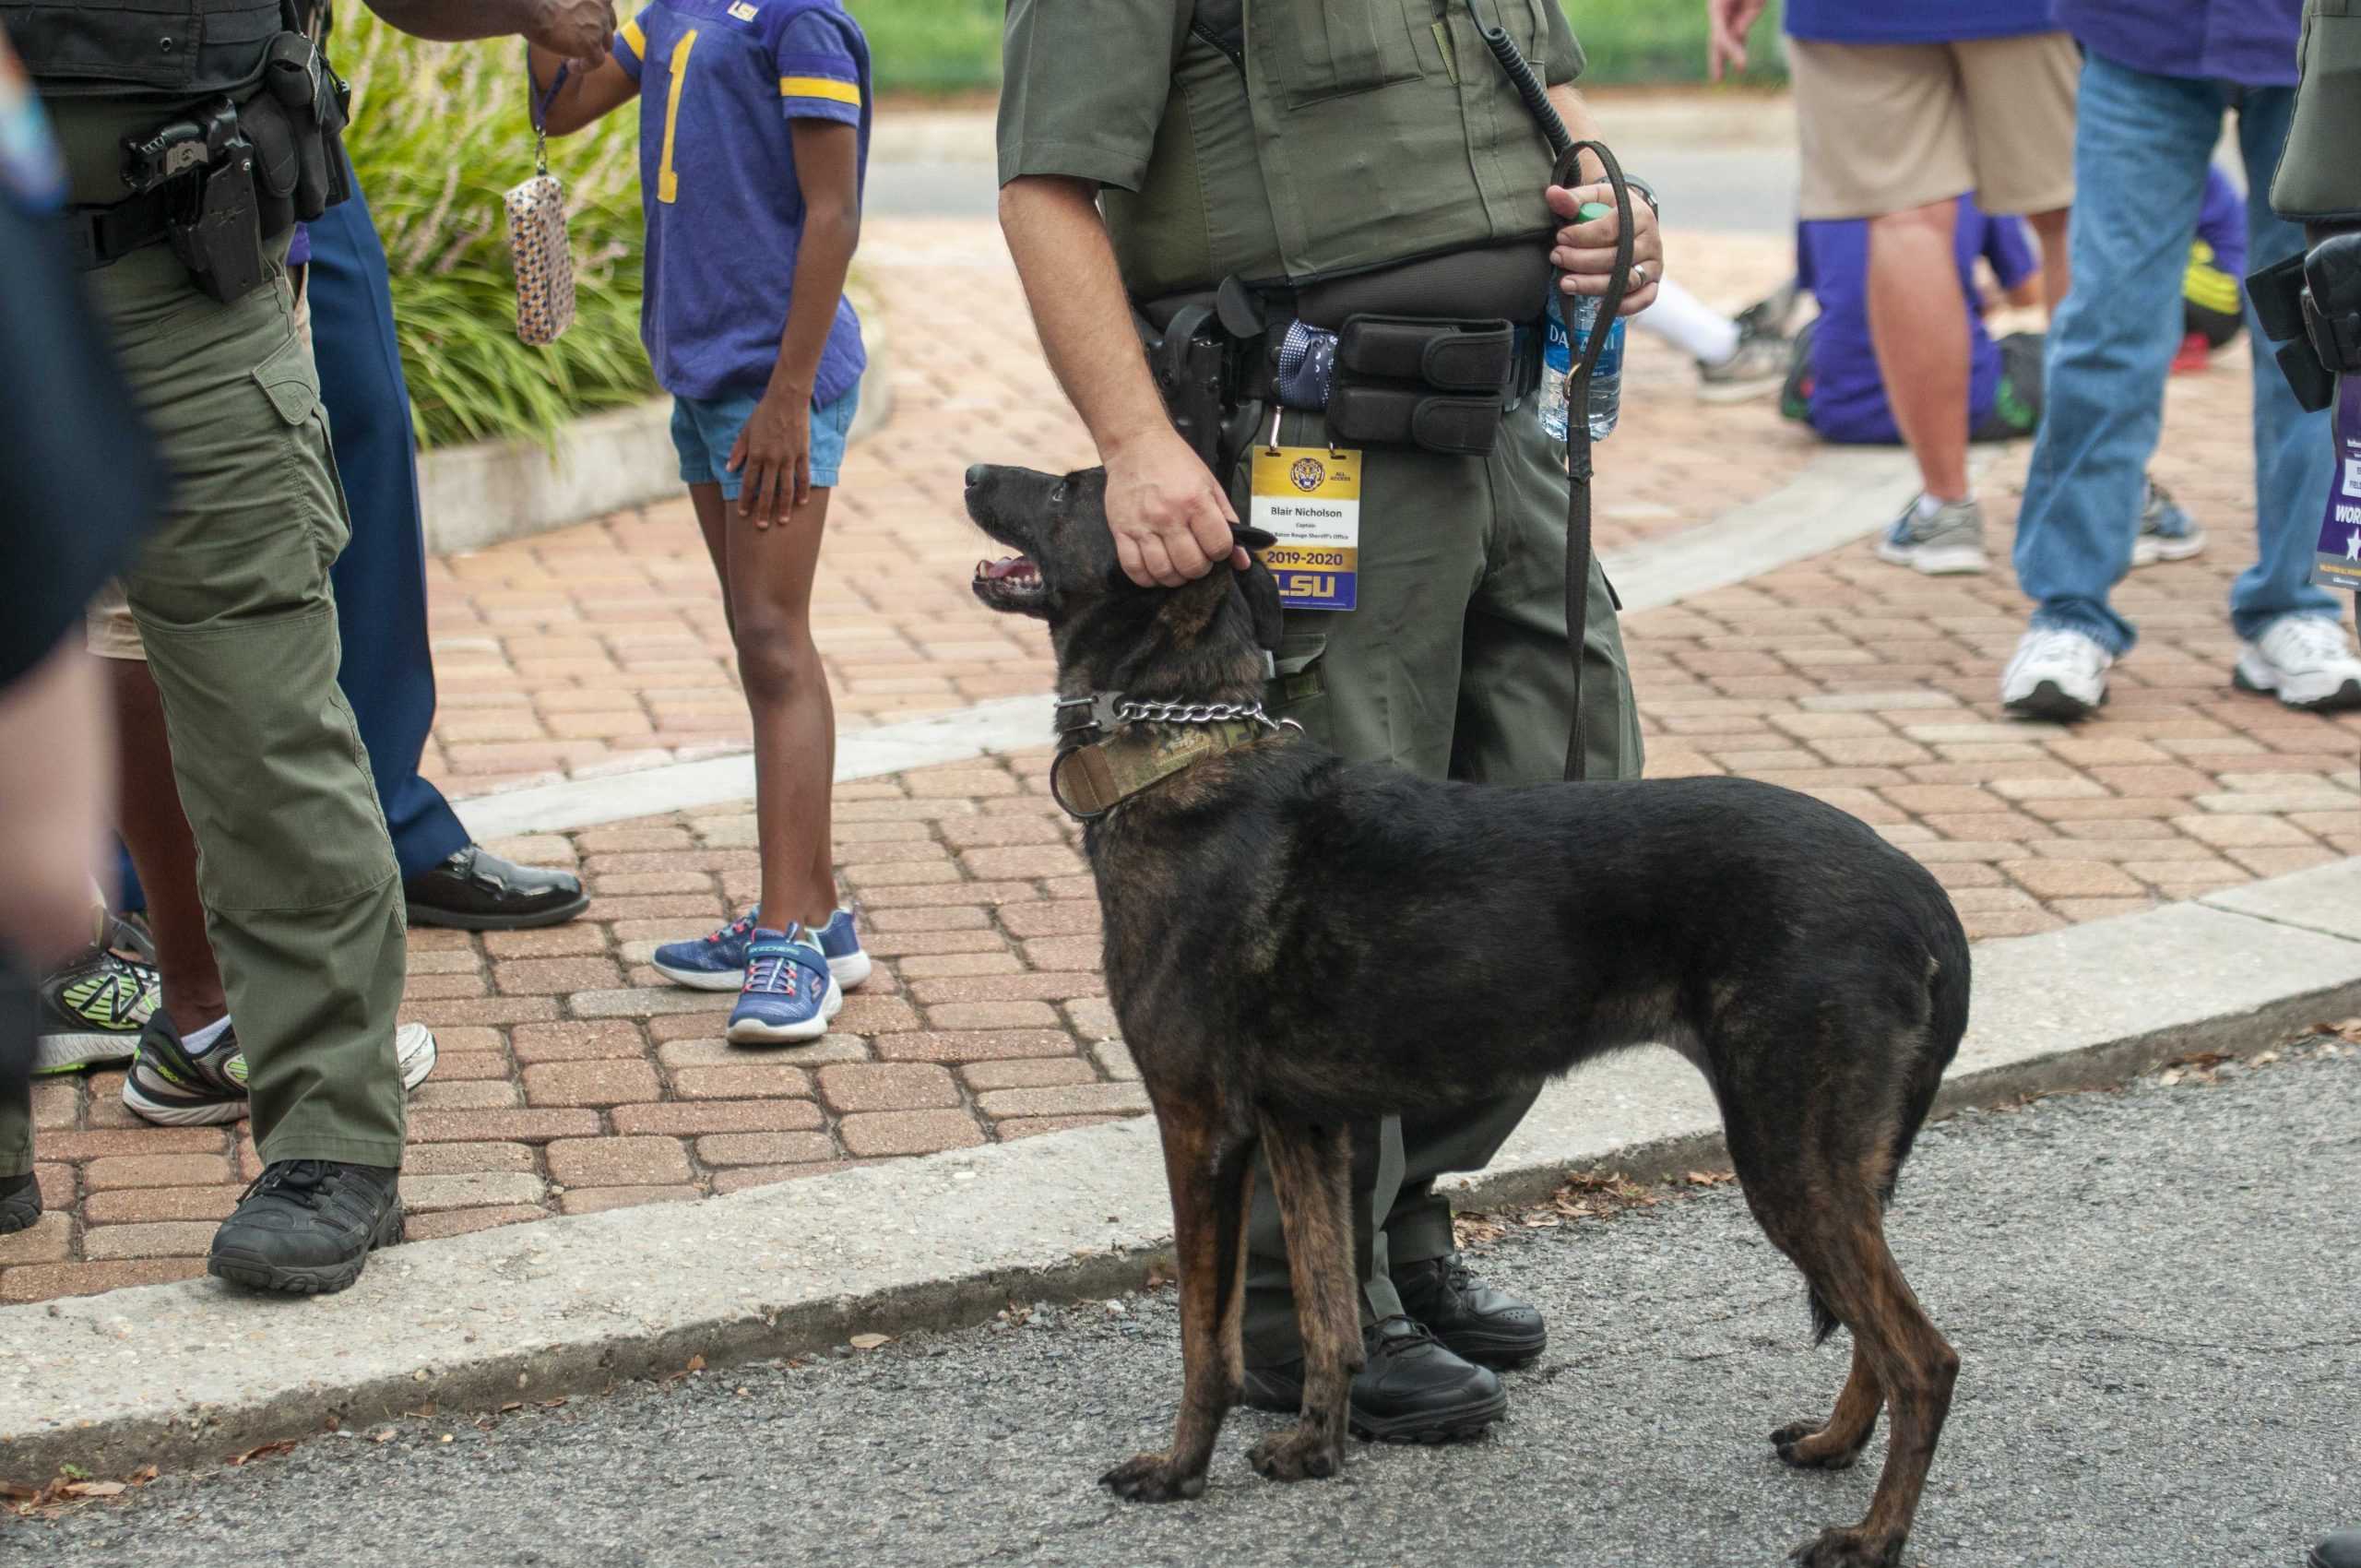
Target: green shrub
point(931, 47)
point(439, 133)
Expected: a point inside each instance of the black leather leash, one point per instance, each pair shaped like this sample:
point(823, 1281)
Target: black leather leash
point(1568, 174)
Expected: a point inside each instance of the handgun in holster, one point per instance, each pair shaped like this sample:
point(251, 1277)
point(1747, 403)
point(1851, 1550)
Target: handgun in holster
point(1188, 360)
point(2310, 305)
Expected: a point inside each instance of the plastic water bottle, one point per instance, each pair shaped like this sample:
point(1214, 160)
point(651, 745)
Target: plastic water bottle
point(1563, 345)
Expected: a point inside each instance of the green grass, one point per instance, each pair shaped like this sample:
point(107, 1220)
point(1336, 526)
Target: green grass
point(439, 133)
point(952, 46)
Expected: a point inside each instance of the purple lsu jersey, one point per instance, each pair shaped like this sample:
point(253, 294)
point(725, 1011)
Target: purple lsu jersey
point(719, 81)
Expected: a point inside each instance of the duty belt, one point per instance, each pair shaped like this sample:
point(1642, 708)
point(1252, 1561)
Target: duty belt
point(103, 235)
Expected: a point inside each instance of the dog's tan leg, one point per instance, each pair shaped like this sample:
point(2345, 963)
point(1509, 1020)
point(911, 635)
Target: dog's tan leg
point(1310, 1176)
point(1854, 1274)
point(1208, 1225)
point(1834, 1445)
point(1233, 1307)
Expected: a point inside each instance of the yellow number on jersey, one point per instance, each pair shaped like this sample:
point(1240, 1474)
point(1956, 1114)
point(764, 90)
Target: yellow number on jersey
point(668, 183)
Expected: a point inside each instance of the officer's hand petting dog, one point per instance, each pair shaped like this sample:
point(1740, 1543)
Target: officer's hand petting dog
point(1586, 250)
point(1171, 522)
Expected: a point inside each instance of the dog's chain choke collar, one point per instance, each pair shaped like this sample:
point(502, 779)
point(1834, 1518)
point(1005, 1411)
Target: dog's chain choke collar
point(1089, 780)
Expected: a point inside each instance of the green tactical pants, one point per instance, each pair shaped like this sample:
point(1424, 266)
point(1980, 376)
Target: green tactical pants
point(1454, 666)
point(2320, 179)
point(303, 901)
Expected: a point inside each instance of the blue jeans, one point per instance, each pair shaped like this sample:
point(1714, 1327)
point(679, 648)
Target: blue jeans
point(2141, 144)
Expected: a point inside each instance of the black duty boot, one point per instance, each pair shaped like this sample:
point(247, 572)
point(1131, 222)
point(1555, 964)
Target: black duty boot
point(2341, 1549)
point(19, 1202)
point(308, 1226)
point(1413, 1390)
point(1481, 1324)
point(476, 890)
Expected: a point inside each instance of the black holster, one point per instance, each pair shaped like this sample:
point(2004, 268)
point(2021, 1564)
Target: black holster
point(2310, 305)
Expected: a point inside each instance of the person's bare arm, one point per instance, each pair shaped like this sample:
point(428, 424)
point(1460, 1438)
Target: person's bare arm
point(55, 788)
point(586, 94)
point(1586, 250)
point(775, 449)
point(574, 29)
point(1171, 519)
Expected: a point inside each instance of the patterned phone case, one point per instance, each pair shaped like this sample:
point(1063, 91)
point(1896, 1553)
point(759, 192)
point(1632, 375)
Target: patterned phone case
point(537, 239)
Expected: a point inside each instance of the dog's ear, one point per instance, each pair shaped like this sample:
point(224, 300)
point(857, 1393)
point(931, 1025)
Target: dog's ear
point(1263, 610)
point(1252, 539)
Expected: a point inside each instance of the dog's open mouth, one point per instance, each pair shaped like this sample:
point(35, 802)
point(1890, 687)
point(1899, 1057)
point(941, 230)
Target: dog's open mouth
point(1011, 583)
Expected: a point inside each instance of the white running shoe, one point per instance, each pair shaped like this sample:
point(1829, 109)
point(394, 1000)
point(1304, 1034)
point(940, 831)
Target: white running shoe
point(1945, 542)
point(2305, 661)
point(2056, 673)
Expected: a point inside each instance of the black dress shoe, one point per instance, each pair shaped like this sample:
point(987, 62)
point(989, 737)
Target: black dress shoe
point(2341, 1549)
point(1413, 1390)
point(19, 1202)
point(1484, 1326)
point(308, 1227)
point(476, 890)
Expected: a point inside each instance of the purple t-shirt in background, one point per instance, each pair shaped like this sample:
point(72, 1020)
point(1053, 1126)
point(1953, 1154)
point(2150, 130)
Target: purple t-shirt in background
point(2222, 222)
point(1848, 401)
point(299, 249)
point(1915, 21)
point(2248, 42)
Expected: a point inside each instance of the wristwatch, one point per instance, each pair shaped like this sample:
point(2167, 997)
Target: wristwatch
point(1646, 193)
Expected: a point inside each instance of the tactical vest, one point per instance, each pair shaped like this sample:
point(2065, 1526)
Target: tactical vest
point(160, 49)
point(1304, 139)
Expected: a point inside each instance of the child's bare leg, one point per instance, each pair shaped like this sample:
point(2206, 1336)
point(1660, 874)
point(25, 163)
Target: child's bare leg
point(713, 521)
point(769, 577)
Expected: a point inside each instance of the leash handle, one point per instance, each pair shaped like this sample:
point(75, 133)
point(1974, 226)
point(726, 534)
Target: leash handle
point(1568, 173)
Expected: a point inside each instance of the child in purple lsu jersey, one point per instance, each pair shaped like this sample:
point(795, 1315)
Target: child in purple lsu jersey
point(754, 119)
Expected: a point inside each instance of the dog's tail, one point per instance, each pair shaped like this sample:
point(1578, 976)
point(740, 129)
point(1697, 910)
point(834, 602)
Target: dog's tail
point(1946, 1023)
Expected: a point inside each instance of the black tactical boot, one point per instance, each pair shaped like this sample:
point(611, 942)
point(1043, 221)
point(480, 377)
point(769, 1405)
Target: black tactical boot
point(308, 1226)
point(19, 1202)
point(2341, 1549)
point(1413, 1390)
point(1480, 1324)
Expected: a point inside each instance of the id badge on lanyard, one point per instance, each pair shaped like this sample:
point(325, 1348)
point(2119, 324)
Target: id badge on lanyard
point(2338, 565)
point(1309, 498)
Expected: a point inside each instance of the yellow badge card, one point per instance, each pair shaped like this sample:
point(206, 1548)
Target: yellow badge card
point(1309, 499)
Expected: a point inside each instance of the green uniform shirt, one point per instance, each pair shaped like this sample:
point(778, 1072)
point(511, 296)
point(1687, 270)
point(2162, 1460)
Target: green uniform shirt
point(1344, 136)
point(2319, 173)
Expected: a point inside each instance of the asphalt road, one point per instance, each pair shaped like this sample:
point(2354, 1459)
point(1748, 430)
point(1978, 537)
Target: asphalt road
point(2155, 1293)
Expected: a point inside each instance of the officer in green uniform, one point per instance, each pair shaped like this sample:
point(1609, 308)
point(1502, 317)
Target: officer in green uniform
point(2318, 185)
point(181, 224)
point(1150, 150)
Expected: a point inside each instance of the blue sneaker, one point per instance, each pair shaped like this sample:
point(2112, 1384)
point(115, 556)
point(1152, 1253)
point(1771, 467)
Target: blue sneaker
point(841, 943)
point(718, 960)
point(788, 995)
point(714, 962)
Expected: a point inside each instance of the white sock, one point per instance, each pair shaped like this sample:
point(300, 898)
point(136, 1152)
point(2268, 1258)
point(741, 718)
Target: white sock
point(1686, 322)
point(204, 1039)
point(1928, 505)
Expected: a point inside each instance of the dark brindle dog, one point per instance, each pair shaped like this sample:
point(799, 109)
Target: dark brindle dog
point(1292, 943)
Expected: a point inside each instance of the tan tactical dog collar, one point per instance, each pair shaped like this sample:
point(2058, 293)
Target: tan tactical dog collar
point(1149, 741)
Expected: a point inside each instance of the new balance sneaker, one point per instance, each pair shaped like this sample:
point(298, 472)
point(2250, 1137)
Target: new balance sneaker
point(174, 1085)
point(788, 994)
point(2055, 674)
point(93, 1006)
point(308, 1226)
point(718, 960)
point(1941, 540)
point(19, 1202)
point(2166, 530)
point(2305, 661)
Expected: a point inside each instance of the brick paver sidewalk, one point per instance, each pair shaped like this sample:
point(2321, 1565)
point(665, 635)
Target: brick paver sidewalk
point(572, 1080)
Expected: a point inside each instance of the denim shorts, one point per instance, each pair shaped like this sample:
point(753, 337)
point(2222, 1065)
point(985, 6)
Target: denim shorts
point(704, 432)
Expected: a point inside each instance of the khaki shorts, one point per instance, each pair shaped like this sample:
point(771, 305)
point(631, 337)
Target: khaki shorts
point(1886, 127)
point(108, 630)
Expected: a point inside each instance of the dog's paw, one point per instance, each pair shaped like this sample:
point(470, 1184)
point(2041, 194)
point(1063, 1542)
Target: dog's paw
point(1297, 1454)
point(1848, 1549)
point(1152, 1477)
point(1808, 1447)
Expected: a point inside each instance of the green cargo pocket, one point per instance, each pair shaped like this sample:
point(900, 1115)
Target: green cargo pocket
point(290, 380)
point(1324, 49)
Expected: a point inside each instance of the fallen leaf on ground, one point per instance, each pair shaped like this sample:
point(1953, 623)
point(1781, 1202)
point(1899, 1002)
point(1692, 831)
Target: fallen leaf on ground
point(870, 1341)
point(92, 1489)
point(696, 1363)
point(268, 1451)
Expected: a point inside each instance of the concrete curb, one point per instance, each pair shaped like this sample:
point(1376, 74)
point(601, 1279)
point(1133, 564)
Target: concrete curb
point(184, 1374)
point(490, 491)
